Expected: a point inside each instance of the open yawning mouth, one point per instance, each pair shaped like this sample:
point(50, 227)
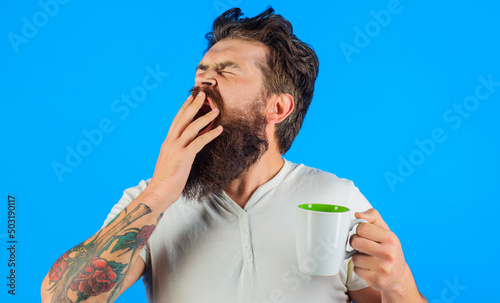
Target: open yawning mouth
point(205, 108)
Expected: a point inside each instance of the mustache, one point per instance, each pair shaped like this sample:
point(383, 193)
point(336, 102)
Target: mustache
point(210, 92)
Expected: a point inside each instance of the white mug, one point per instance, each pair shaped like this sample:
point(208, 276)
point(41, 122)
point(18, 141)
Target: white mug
point(321, 236)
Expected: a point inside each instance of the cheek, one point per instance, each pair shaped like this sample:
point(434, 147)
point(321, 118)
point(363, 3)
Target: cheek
point(240, 93)
point(230, 98)
point(237, 97)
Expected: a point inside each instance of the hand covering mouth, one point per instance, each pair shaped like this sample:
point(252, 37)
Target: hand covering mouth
point(205, 108)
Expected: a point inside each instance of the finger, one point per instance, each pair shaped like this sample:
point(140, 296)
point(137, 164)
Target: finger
point(186, 103)
point(373, 217)
point(364, 261)
point(188, 114)
point(372, 232)
point(365, 246)
point(191, 132)
point(204, 139)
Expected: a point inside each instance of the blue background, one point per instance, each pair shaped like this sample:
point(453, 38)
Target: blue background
point(401, 83)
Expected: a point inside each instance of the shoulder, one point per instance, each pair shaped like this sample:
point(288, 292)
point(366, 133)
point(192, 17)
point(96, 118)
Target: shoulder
point(304, 173)
point(309, 183)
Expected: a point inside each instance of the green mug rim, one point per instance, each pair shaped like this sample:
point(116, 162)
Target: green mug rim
point(325, 208)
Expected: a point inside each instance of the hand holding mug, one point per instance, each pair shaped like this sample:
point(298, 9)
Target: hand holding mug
point(381, 262)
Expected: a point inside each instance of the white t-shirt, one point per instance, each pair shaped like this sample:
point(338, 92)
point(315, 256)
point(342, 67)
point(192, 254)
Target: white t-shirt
point(216, 251)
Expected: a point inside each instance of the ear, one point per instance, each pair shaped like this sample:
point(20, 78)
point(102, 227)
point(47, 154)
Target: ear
point(278, 108)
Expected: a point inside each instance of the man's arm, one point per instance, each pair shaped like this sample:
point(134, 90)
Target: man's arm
point(102, 267)
point(381, 262)
point(95, 270)
point(136, 271)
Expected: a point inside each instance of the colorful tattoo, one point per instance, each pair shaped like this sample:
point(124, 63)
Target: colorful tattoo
point(82, 272)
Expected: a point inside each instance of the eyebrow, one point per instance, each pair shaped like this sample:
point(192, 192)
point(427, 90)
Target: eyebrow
point(219, 66)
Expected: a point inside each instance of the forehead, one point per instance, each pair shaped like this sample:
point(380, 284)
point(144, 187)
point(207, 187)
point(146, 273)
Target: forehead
point(243, 53)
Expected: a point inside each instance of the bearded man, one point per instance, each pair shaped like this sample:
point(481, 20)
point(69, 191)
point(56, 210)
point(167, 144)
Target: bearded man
point(215, 223)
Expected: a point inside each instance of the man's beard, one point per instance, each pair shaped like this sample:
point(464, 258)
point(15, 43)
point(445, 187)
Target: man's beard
point(240, 145)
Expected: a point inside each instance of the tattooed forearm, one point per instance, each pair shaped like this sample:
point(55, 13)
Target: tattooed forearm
point(98, 268)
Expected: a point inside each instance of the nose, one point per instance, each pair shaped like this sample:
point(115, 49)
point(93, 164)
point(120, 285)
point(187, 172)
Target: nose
point(205, 78)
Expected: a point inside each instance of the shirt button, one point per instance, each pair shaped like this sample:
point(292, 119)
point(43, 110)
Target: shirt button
point(247, 247)
point(244, 230)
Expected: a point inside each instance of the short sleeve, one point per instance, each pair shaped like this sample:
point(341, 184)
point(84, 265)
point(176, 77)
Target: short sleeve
point(357, 201)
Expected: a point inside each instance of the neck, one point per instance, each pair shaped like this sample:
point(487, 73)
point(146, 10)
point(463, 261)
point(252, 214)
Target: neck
point(241, 189)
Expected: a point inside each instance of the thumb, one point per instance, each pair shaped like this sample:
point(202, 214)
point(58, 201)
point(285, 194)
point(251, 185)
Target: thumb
point(372, 216)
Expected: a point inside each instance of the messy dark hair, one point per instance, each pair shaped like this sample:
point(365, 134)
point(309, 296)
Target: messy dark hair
point(291, 65)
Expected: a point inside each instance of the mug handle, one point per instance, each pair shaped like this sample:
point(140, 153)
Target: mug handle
point(349, 254)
